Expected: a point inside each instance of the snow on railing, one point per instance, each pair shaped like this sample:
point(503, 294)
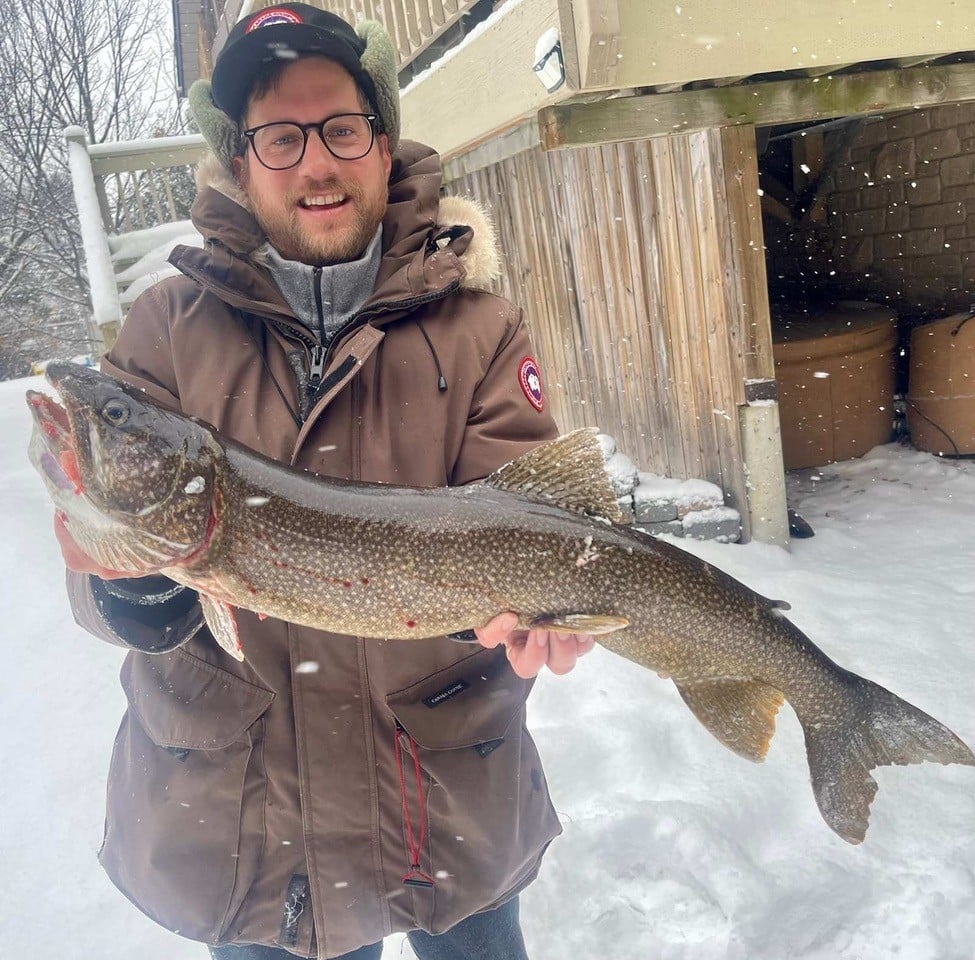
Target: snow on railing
point(129, 209)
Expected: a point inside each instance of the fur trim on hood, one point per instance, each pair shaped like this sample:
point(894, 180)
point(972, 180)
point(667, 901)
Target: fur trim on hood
point(211, 172)
point(481, 259)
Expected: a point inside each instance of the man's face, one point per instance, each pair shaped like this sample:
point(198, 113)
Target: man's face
point(354, 191)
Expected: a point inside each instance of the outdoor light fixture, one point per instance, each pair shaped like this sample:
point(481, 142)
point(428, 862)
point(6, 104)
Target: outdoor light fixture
point(548, 60)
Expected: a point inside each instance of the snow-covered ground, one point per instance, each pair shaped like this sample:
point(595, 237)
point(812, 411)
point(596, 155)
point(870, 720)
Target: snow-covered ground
point(674, 848)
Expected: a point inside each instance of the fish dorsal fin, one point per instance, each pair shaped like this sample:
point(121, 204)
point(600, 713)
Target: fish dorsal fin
point(568, 472)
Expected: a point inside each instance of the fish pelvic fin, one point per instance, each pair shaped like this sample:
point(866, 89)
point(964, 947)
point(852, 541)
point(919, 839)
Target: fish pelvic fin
point(739, 712)
point(594, 624)
point(568, 472)
point(884, 730)
point(222, 622)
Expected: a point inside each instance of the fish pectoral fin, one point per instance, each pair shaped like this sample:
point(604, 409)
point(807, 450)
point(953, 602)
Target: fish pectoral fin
point(738, 711)
point(591, 623)
point(222, 622)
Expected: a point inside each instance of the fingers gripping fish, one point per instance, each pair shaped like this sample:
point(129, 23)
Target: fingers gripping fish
point(150, 491)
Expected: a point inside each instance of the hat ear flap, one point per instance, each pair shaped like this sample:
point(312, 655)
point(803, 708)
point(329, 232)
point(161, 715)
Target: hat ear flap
point(379, 61)
point(219, 130)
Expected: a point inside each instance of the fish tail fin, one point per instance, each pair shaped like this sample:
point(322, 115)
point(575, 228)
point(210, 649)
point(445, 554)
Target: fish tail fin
point(883, 730)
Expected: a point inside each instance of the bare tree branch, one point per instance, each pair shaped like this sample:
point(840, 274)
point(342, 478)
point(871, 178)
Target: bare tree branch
point(99, 64)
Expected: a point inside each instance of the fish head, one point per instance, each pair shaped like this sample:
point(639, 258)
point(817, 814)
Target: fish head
point(135, 482)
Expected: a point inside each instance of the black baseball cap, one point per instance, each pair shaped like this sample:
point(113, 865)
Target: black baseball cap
point(280, 33)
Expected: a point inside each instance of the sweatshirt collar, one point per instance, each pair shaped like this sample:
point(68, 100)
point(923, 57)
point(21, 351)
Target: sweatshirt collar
point(325, 298)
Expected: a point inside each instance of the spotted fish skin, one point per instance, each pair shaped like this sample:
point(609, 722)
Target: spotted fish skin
point(168, 494)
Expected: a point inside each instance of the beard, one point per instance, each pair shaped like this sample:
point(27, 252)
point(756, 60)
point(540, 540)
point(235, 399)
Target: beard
point(327, 245)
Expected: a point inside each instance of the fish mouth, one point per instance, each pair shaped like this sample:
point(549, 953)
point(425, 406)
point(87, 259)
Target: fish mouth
point(78, 474)
point(56, 454)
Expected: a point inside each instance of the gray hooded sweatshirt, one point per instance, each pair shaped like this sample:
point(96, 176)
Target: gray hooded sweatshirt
point(325, 298)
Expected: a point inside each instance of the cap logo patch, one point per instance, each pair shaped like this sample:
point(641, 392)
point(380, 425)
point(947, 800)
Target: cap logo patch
point(268, 18)
point(531, 382)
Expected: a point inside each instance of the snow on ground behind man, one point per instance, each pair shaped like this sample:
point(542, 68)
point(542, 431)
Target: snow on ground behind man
point(674, 848)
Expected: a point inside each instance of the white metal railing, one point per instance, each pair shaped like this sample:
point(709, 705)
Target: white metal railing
point(123, 192)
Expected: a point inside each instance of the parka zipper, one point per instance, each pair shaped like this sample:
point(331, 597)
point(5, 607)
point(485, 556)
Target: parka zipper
point(316, 368)
point(295, 902)
point(319, 356)
point(361, 318)
point(318, 352)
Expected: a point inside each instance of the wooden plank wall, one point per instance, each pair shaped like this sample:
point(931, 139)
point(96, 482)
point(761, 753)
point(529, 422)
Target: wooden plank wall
point(641, 270)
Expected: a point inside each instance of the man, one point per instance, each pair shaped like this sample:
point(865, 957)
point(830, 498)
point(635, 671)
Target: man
point(329, 790)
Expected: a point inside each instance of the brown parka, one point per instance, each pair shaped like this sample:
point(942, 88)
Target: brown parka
point(262, 802)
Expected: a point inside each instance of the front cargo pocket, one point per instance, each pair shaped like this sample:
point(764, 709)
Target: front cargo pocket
point(180, 842)
point(471, 702)
point(485, 787)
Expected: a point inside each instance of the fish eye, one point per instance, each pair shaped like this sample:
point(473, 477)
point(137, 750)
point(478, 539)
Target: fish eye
point(116, 412)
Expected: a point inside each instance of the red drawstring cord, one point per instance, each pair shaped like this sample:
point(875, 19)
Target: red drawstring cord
point(416, 877)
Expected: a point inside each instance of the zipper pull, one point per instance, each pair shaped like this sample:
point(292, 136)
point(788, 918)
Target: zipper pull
point(317, 365)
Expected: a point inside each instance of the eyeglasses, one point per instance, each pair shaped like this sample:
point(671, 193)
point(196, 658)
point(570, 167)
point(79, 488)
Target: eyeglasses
point(347, 136)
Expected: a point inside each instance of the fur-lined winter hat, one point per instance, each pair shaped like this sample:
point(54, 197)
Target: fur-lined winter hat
point(283, 31)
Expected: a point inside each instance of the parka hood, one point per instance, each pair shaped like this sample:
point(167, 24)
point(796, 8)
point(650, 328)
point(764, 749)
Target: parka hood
point(429, 241)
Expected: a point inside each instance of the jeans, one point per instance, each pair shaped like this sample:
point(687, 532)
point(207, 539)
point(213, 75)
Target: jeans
point(492, 935)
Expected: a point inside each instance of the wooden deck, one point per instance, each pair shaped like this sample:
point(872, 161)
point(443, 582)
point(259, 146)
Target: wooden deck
point(620, 47)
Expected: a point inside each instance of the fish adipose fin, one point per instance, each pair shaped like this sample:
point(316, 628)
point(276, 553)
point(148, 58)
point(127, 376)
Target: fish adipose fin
point(593, 624)
point(222, 622)
point(739, 712)
point(568, 472)
point(883, 730)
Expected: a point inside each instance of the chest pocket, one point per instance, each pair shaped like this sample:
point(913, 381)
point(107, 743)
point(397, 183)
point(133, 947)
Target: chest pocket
point(184, 702)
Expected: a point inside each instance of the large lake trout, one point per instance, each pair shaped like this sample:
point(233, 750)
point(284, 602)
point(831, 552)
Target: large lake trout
point(147, 490)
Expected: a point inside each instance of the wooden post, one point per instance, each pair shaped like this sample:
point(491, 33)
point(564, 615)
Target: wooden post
point(758, 416)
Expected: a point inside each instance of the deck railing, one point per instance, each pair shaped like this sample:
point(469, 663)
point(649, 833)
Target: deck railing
point(122, 190)
point(413, 25)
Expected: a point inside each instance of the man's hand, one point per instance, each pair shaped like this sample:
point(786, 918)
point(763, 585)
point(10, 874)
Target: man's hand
point(530, 650)
point(76, 559)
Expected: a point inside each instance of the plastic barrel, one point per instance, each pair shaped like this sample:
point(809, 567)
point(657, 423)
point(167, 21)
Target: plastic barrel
point(835, 369)
point(941, 386)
